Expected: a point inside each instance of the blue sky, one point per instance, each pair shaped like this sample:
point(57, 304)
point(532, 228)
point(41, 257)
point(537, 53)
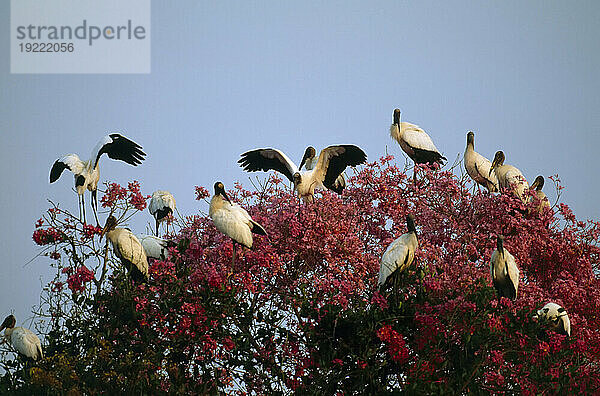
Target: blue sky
point(230, 76)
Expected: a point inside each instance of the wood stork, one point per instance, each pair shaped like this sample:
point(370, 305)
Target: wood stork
point(537, 185)
point(127, 248)
point(310, 160)
point(557, 315)
point(162, 204)
point(87, 174)
point(509, 177)
point(233, 220)
point(415, 142)
point(505, 274)
point(478, 167)
point(155, 247)
point(332, 161)
point(400, 254)
point(22, 339)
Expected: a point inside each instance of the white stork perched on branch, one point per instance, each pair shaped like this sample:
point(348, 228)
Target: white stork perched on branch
point(509, 177)
point(128, 249)
point(415, 142)
point(332, 161)
point(233, 220)
point(557, 315)
point(22, 339)
point(155, 247)
point(87, 173)
point(400, 254)
point(504, 271)
point(162, 204)
point(478, 167)
point(537, 186)
point(309, 161)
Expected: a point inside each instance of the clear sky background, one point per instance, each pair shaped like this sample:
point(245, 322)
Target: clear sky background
point(231, 76)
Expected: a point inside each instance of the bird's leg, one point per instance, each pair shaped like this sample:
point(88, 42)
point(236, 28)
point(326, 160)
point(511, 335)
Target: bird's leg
point(83, 207)
point(95, 206)
point(415, 175)
point(79, 207)
point(233, 256)
point(156, 232)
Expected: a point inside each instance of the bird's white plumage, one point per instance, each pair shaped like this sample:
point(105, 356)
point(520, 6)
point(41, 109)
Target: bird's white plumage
point(232, 220)
point(478, 168)
point(503, 268)
point(512, 179)
point(25, 342)
point(127, 246)
point(75, 164)
point(154, 247)
point(557, 315)
point(410, 136)
point(311, 163)
point(398, 256)
point(305, 182)
point(161, 200)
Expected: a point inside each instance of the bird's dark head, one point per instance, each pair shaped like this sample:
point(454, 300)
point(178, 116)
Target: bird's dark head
point(470, 138)
point(220, 190)
point(111, 224)
point(410, 223)
point(309, 154)
point(397, 116)
point(297, 178)
point(498, 160)
point(538, 183)
point(500, 244)
point(8, 323)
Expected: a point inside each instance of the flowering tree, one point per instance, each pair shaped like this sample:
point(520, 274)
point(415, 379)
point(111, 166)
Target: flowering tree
point(301, 312)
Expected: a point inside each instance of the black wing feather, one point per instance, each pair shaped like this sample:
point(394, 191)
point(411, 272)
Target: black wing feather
point(427, 157)
point(264, 160)
point(57, 170)
point(122, 149)
point(351, 156)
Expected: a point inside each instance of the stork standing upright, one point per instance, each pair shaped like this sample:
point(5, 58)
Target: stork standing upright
point(162, 204)
point(87, 173)
point(478, 167)
point(22, 339)
point(400, 254)
point(415, 142)
point(233, 220)
point(504, 271)
point(557, 315)
point(537, 186)
point(332, 161)
point(509, 177)
point(310, 160)
point(127, 248)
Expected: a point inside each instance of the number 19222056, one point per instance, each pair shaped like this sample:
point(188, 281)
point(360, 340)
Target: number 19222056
point(46, 47)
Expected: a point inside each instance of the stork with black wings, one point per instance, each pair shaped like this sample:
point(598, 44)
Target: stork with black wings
point(87, 174)
point(330, 164)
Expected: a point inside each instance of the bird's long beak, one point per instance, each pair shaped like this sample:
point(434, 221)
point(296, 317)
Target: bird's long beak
point(103, 232)
point(303, 159)
point(224, 194)
point(397, 118)
point(494, 164)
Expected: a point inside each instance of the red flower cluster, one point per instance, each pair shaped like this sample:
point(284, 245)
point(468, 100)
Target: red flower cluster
point(47, 236)
point(89, 231)
point(395, 343)
point(114, 193)
point(201, 193)
point(77, 280)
